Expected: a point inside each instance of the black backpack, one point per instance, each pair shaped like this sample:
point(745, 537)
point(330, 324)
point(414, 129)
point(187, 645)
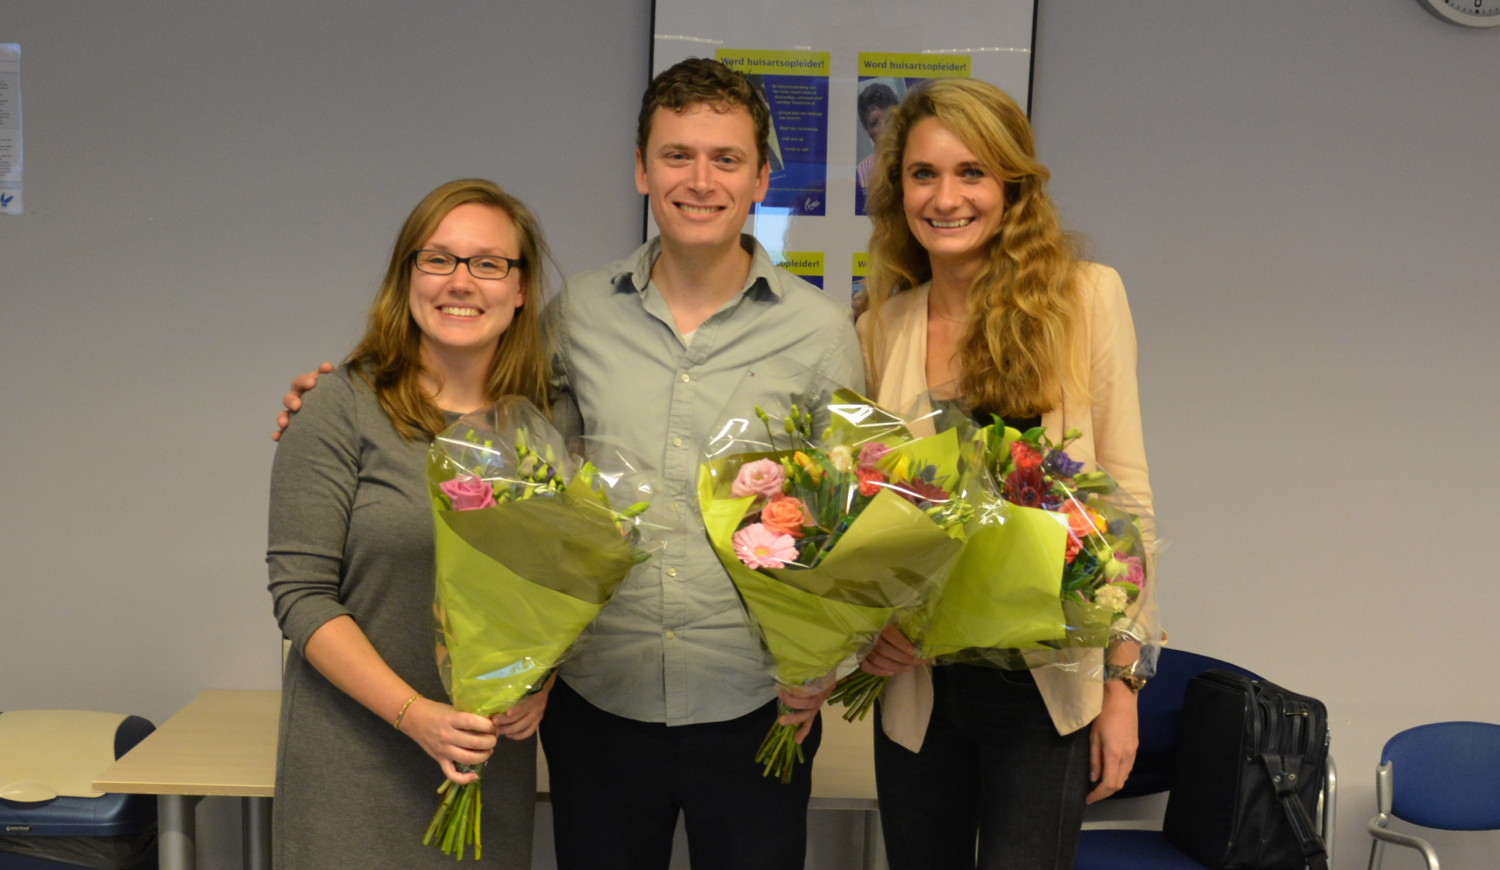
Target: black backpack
point(1250, 761)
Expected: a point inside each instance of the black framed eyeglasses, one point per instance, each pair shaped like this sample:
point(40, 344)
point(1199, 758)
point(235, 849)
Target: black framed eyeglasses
point(488, 267)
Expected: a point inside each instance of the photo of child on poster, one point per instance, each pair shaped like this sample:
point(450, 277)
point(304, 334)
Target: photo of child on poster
point(878, 97)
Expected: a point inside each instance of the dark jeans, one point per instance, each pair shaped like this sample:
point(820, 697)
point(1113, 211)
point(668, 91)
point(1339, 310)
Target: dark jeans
point(618, 785)
point(992, 765)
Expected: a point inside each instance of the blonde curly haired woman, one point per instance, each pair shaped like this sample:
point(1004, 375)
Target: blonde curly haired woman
point(977, 297)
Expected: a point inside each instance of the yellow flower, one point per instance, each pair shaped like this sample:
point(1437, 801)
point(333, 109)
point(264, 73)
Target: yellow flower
point(812, 468)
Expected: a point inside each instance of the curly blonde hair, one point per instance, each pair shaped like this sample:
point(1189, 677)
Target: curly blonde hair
point(1019, 351)
point(389, 356)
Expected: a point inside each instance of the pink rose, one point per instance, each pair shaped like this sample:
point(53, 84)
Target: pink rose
point(785, 515)
point(759, 547)
point(468, 493)
point(872, 452)
point(1135, 573)
point(763, 477)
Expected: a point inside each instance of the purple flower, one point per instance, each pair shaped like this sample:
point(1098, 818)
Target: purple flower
point(1062, 465)
point(763, 477)
point(468, 493)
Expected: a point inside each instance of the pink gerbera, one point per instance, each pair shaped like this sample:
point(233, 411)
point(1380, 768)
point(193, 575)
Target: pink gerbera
point(759, 547)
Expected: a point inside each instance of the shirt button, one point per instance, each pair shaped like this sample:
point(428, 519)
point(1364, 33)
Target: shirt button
point(671, 572)
point(669, 635)
point(676, 442)
point(684, 377)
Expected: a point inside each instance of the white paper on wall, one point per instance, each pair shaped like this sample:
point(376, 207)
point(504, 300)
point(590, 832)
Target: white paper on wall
point(10, 128)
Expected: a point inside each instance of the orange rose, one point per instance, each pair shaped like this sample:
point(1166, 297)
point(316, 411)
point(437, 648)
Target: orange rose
point(785, 515)
point(1083, 522)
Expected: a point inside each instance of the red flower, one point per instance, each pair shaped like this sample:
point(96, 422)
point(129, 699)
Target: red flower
point(869, 480)
point(1026, 487)
point(1026, 456)
point(918, 491)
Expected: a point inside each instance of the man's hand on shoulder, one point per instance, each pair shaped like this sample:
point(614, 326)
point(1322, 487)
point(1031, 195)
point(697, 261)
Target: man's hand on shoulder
point(292, 402)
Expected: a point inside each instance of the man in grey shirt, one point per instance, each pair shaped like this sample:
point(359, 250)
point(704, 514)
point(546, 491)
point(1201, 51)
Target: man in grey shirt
point(664, 707)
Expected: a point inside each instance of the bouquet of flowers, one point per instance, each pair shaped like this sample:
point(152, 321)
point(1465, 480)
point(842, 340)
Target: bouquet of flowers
point(1063, 566)
point(828, 526)
point(531, 542)
point(1105, 566)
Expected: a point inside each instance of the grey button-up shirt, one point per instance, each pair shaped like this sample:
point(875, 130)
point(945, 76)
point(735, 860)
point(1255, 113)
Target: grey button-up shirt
point(675, 645)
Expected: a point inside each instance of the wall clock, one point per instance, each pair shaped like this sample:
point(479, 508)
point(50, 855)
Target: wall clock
point(1468, 13)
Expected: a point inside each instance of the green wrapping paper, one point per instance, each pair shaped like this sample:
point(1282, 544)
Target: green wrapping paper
point(548, 567)
point(1004, 591)
point(529, 549)
point(814, 618)
point(843, 520)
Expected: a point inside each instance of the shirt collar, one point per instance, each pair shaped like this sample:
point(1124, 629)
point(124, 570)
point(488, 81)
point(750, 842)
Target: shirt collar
point(637, 272)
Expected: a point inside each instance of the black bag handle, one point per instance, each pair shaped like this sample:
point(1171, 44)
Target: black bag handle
point(1284, 780)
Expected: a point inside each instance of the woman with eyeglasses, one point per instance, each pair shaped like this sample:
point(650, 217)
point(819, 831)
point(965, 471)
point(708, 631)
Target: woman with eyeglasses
point(366, 735)
point(977, 296)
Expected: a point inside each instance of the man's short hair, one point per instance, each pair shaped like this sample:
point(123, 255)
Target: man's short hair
point(701, 81)
point(876, 96)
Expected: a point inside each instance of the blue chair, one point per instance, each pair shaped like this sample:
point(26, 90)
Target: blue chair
point(1102, 847)
point(1445, 775)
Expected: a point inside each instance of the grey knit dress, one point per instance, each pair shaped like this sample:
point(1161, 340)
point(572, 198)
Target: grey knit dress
point(351, 533)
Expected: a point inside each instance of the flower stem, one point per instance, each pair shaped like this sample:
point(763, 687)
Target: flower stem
point(857, 692)
point(780, 753)
point(456, 824)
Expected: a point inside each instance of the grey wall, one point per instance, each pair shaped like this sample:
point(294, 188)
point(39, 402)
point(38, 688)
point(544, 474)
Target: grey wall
point(1301, 202)
point(1298, 196)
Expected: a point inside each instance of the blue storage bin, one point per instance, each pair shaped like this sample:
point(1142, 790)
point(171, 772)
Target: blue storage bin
point(48, 820)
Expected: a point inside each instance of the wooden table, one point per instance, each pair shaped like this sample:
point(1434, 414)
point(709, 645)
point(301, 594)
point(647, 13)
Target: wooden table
point(223, 744)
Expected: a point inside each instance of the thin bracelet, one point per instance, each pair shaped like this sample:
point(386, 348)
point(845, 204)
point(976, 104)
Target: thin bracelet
point(404, 708)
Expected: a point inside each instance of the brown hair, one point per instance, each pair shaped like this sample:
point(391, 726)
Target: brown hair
point(389, 356)
point(700, 81)
point(1019, 350)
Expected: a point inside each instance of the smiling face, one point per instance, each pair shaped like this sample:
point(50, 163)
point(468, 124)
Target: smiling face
point(699, 170)
point(458, 314)
point(953, 204)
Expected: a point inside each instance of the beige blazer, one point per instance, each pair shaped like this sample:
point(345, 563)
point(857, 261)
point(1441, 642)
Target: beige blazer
point(896, 369)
